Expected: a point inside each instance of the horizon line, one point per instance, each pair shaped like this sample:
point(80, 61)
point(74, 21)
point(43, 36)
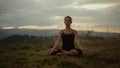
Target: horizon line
point(61, 29)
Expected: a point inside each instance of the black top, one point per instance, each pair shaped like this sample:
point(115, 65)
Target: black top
point(67, 41)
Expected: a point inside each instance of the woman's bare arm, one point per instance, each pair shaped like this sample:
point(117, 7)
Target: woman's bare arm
point(77, 39)
point(78, 42)
point(58, 40)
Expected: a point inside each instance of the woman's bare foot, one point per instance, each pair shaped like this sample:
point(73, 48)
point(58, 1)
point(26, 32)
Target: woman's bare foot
point(72, 52)
point(61, 54)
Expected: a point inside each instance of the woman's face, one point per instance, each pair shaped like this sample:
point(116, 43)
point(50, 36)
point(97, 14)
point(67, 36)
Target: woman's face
point(67, 21)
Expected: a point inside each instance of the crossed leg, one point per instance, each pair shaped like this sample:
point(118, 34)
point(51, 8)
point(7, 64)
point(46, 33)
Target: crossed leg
point(72, 52)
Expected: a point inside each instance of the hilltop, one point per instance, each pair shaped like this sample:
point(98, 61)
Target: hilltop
point(25, 51)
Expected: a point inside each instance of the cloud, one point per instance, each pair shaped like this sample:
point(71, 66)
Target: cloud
point(96, 6)
point(83, 2)
point(114, 10)
point(48, 13)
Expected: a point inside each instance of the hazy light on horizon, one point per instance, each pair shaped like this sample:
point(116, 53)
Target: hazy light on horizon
point(9, 27)
point(84, 26)
point(38, 27)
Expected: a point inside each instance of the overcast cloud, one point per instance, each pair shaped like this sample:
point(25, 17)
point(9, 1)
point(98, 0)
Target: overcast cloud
point(44, 14)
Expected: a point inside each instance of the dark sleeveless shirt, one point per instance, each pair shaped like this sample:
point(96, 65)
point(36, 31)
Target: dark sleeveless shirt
point(67, 41)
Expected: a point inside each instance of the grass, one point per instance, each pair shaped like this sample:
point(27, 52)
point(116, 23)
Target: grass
point(102, 53)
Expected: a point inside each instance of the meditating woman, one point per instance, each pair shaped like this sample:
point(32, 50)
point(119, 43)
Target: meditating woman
point(67, 36)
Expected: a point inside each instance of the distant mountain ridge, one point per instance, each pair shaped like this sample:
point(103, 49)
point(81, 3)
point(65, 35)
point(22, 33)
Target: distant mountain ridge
point(25, 39)
point(5, 33)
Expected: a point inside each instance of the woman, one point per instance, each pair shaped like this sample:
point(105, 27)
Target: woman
point(67, 36)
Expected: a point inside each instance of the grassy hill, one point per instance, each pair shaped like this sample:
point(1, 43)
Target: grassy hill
point(24, 51)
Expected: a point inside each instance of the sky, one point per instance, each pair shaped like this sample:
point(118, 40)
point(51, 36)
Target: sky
point(96, 15)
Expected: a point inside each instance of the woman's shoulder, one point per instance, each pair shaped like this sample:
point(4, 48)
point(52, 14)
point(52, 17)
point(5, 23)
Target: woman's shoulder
point(74, 31)
point(61, 31)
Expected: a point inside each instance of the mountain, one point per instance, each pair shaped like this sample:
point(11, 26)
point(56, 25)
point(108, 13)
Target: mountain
point(26, 39)
point(8, 32)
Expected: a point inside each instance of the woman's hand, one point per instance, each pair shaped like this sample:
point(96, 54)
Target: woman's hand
point(50, 51)
point(84, 51)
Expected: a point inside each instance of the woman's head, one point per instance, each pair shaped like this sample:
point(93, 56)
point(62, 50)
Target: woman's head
point(67, 20)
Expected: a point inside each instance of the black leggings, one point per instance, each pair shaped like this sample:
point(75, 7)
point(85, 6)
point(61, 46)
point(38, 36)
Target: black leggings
point(58, 51)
